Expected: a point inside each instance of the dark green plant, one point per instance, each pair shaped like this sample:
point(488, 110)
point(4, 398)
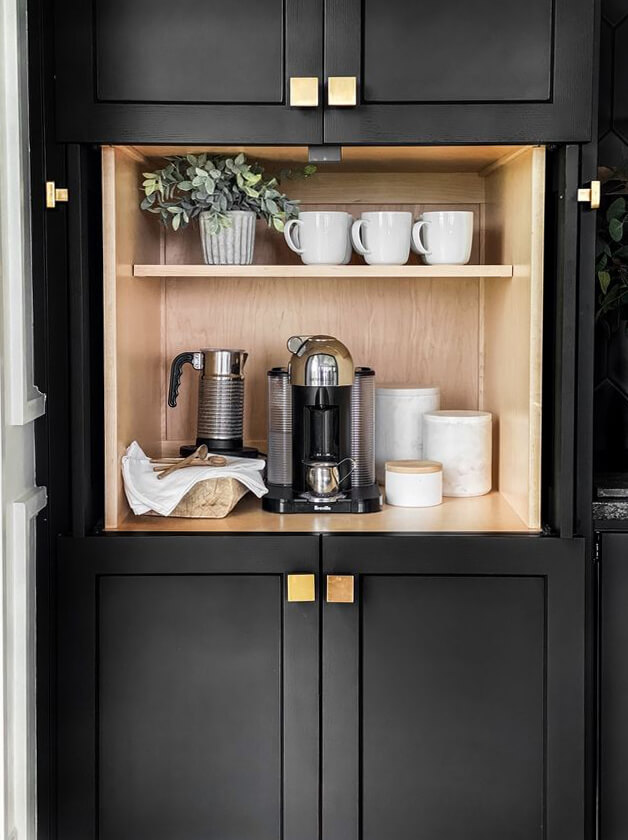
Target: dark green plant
point(194, 184)
point(612, 248)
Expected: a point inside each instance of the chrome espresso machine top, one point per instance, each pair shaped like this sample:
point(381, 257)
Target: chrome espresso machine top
point(321, 425)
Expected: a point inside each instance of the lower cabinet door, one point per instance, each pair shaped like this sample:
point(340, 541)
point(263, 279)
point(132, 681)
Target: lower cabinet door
point(188, 689)
point(453, 688)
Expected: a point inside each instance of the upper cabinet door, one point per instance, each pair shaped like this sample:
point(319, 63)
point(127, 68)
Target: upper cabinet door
point(190, 71)
point(451, 72)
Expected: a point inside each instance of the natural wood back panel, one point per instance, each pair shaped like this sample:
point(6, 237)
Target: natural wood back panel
point(397, 326)
point(513, 323)
point(271, 248)
point(132, 326)
point(354, 193)
point(410, 331)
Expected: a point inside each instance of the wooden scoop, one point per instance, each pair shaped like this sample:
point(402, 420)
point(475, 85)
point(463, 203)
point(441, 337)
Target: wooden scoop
point(201, 453)
point(212, 461)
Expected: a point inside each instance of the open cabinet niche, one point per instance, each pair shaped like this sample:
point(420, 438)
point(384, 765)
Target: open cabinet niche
point(475, 330)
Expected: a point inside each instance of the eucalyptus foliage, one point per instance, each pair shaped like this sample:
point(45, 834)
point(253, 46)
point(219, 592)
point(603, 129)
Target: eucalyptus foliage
point(194, 184)
point(612, 247)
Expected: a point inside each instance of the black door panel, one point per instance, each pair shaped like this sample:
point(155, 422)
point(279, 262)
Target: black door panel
point(189, 704)
point(159, 51)
point(449, 51)
point(452, 669)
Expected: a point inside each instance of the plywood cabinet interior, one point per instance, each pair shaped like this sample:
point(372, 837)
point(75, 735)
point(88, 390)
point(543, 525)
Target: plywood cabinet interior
point(478, 338)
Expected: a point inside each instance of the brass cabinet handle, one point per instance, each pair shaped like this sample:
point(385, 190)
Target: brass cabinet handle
point(55, 194)
point(342, 91)
point(340, 589)
point(301, 588)
point(304, 91)
point(591, 195)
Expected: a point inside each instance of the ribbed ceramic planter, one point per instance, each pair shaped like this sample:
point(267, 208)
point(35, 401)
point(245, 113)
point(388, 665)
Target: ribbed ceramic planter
point(233, 245)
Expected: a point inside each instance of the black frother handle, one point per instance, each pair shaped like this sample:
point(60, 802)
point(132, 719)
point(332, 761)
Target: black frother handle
point(175, 376)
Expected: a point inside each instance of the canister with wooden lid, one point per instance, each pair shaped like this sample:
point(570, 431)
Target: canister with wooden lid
point(414, 483)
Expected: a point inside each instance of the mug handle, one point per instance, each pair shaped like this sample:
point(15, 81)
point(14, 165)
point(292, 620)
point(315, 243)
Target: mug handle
point(419, 247)
point(287, 233)
point(356, 238)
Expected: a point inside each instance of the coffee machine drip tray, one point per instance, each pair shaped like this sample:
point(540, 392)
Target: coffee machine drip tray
point(311, 497)
point(281, 499)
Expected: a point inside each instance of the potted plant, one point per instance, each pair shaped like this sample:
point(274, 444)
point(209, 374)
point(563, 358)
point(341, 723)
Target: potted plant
point(226, 194)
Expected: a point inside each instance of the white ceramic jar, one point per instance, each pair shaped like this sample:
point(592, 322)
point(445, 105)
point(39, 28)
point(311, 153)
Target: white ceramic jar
point(399, 411)
point(462, 442)
point(414, 483)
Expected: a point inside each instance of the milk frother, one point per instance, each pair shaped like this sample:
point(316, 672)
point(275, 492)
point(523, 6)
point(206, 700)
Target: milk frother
point(220, 416)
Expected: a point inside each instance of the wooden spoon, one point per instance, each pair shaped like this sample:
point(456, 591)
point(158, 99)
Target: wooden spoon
point(211, 461)
point(202, 452)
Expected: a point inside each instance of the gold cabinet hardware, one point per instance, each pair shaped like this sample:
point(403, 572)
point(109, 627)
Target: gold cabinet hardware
point(304, 92)
point(301, 588)
point(591, 195)
point(340, 589)
point(55, 194)
point(342, 91)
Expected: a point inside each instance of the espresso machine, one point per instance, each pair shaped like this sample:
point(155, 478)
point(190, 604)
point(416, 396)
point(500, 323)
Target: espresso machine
point(321, 454)
point(220, 416)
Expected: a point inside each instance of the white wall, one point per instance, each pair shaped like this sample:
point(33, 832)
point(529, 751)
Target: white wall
point(20, 404)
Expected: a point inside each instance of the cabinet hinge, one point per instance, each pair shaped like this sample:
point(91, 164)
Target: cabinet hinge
point(591, 195)
point(55, 194)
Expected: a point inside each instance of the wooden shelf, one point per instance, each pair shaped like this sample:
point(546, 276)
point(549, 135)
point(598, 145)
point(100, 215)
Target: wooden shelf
point(318, 271)
point(480, 514)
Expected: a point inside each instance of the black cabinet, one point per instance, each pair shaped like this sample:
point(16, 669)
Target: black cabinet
point(481, 71)
point(190, 71)
point(613, 726)
point(461, 72)
point(442, 699)
point(188, 690)
point(453, 693)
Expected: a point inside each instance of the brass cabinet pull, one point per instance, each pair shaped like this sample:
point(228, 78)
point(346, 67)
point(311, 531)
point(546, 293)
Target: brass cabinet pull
point(342, 91)
point(55, 194)
point(301, 588)
point(304, 91)
point(340, 589)
point(591, 195)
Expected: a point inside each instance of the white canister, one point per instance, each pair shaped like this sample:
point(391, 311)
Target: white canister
point(414, 483)
point(462, 442)
point(399, 411)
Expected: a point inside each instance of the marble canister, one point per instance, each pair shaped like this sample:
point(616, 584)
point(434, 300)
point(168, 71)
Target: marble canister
point(399, 411)
point(462, 442)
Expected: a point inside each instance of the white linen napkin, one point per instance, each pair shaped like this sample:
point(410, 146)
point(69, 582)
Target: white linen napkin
point(146, 492)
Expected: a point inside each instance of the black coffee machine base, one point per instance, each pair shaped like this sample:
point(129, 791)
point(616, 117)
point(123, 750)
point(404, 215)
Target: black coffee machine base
point(222, 447)
point(280, 499)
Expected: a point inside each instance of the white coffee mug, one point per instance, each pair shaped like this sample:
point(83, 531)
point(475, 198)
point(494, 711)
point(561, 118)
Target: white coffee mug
point(383, 237)
point(444, 237)
point(320, 237)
